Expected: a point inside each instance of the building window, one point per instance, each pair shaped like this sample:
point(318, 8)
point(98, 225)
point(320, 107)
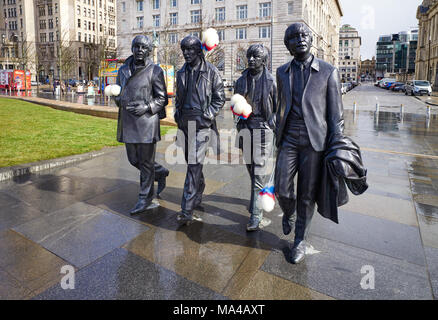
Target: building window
point(123, 6)
point(196, 1)
point(195, 16)
point(195, 34)
point(221, 34)
point(220, 14)
point(173, 3)
point(155, 4)
point(264, 32)
point(79, 23)
point(49, 10)
point(43, 37)
point(139, 22)
point(156, 20)
point(264, 9)
point(240, 33)
point(42, 24)
point(51, 39)
point(242, 12)
point(140, 5)
point(50, 23)
point(174, 18)
point(41, 11)
point(173, 38)
point(290, 8)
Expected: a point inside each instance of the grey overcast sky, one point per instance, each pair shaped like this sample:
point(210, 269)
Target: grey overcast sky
point(373, 18)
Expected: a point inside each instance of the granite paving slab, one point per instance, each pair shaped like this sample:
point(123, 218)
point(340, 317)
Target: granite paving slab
point(381, 236)
point(432, 264)
point(10, 288)
point(265, 286)
point(43, 200)
point(14, 212)
point(126, 276)
point(202, 253)
point(336, 271)
point(429, 230)
point(426, 210)
point(400, 211)
point(25, 266)
point(81, 233)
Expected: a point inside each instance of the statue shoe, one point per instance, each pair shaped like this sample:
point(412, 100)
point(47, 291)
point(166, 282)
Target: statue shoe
point(187, 217)
point(162, 182)
point(253, 225)
point(142, 205)
point(287, 223)
point(298, 252)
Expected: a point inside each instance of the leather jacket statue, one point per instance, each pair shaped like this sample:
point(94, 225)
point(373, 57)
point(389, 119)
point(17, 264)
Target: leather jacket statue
point(139, 87)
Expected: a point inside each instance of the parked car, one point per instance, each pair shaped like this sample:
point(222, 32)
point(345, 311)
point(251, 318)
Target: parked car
point(73, 82)
point(388, 84)
point(397, 86)
point(385, 82)
point(418, 87)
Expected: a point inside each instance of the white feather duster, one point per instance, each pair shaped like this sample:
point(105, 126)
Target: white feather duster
point(115, 90)
point(108, 91)
point(210, 39)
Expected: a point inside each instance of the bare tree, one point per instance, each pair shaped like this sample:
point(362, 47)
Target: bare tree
point(66, 56)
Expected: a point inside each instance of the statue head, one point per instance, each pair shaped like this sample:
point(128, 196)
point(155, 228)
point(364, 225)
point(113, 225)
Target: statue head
point(191, 47)
point(141, 48)
point(298, 40)
point(257, 55)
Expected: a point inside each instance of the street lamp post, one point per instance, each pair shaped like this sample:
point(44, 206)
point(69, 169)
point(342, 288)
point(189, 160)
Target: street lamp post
point(428, 59)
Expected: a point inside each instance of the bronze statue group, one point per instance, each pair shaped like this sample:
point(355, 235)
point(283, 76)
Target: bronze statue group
point(297, 119)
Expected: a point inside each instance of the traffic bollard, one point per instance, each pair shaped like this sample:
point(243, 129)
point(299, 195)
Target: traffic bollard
point(377, 107)
point(354, 107)
point(428, 111)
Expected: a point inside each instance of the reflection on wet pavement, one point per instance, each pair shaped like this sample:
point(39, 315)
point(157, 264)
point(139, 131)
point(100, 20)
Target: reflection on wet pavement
point(96, 100)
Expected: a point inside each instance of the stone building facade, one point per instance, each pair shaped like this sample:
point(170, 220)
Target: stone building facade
point(239, 23)
point(349, 53)
point(62, 38)
point(367, 70)
point(426, 64)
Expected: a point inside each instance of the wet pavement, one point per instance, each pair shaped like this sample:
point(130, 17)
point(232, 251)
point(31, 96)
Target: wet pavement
point(78, 215)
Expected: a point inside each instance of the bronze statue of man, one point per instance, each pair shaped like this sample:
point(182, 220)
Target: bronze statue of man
point(199, 98)
point(142, 100)
point(309, 114)
point(258, 87)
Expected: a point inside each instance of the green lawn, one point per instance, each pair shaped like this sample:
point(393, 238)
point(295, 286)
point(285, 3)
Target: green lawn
point(30, 132)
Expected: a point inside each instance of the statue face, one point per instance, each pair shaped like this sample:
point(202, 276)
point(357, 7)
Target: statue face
point(140, 50)
point(300, 42)
point(255, 60)
point(191, 49)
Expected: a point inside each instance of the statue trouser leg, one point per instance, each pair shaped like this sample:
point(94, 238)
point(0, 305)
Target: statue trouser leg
point(257, 184)
point(141, 156)
point(161, 174)
point(195, 152)
point(160, 171)
point(297, 156)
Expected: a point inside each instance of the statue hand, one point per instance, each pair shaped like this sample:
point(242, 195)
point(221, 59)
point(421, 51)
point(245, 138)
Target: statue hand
point(137, 109)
